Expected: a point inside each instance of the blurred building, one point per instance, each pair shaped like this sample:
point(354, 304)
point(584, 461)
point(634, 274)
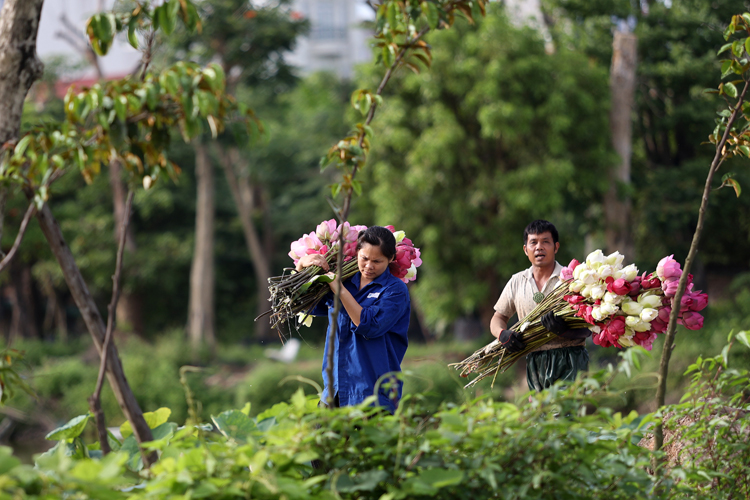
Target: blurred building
point(337, 40)
point(62, 38)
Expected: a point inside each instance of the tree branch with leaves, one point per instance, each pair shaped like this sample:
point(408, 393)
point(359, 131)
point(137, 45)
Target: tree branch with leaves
point(731, 137)
point(400, 28)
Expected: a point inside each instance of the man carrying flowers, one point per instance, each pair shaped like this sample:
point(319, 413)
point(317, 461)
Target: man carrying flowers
point(562, 357)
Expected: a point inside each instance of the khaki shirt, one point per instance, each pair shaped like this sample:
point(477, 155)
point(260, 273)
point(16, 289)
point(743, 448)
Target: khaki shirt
point(518, 298)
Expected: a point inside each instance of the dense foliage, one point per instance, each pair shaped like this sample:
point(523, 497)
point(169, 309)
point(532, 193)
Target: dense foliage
point(498, 133)
point(561, 443)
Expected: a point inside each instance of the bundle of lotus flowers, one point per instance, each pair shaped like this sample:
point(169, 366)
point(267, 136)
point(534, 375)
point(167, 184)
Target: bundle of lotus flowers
point(494, 358)
point(620, 308)
point(294, 294)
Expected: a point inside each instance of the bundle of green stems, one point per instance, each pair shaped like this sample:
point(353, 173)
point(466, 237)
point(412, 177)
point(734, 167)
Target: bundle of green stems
point(494, 358)
point(299, 291)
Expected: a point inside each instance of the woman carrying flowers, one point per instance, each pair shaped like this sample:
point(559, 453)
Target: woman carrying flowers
point(371, 336)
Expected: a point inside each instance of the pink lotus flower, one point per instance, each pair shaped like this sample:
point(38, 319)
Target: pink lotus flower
point(658, 326)
point(304, 246)
point(325, 230)
point(668, 268)
point(670, 287)
point(619, 286)
point(601, 339)
point(691, 321)
point(645, 339)
point(567, 272)
point(635, 287)
point(617, 326)
point(664, 313)
point(699, 301)
point(574, 298)
point(650, 281)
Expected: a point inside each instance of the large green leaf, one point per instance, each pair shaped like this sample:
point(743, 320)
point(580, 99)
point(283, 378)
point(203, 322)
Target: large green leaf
point(71, 430)
point(365, 481)
point(235, 425)
point(153, 419)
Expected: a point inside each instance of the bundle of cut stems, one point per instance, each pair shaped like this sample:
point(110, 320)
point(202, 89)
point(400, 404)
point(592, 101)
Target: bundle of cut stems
point(534, 335)
point(300, 291)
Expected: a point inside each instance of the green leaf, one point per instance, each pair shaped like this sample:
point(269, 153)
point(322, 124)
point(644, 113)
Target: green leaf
point(365, 481)
point(726, 67)
point(132, 35)
point(234, 425)
point(439, 478)
point(737, 48)
point(432, 14)
point(724, 48)
point(357, 186)
point(153, 419)
point(121, 107)
point(299, 400)
point(7, 460)
point(335, 190)
point(392, 14)
point(21, 146)
point(71, 430)
point(743, 338)
point(736, 185)
point(747, 45)
point(746, 17)
point(745, 150)
point(730, 90)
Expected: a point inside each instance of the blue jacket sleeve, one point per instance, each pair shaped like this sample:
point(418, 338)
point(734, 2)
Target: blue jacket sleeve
point(377, 320)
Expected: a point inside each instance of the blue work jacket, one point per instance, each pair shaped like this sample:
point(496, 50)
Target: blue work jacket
point(376, 347)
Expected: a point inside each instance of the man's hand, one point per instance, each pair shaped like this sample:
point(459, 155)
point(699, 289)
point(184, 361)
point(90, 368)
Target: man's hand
point(554, 324)
point(511, 341)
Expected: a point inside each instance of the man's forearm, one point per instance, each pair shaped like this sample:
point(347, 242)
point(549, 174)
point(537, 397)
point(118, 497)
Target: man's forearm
point(497, 325)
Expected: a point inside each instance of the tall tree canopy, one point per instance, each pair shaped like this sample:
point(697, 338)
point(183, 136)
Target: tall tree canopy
point(498, 133)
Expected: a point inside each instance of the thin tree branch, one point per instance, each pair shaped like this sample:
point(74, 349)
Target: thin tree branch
point(682, 285)
point(30, 212)
point(344, 214)
point(95, 399)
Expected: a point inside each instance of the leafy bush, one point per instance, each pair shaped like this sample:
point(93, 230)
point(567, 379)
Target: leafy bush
point(555, 446)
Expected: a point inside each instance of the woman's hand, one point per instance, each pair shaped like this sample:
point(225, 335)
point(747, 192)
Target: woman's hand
point(333, 282)
point(314, 259)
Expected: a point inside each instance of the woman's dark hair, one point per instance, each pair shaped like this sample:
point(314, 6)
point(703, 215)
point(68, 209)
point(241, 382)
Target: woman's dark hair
point(540, 226)
point(378, 236)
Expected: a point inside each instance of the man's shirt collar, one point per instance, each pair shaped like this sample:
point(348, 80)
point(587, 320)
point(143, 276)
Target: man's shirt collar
point(529, 273)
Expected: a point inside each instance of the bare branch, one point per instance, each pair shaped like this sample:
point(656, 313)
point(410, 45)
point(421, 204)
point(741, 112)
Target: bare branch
point(343, 214)
point(95, 399)
point(21, 232)
point(677, 299)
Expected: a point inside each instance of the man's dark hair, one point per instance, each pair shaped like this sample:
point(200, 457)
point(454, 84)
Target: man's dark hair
point(378, 236)
point(540, 226)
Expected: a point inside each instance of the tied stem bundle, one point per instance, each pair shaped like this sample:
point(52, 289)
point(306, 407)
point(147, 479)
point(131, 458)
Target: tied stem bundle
point(494, 358)
point(294, 295)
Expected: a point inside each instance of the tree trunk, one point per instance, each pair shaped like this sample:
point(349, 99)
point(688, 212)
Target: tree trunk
point(55, 319)
point(19, 64)
point(617, 204)
point(96, 328)
point(23, 323)
point(201, 314)
point(129, 307)
point(244, 199)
